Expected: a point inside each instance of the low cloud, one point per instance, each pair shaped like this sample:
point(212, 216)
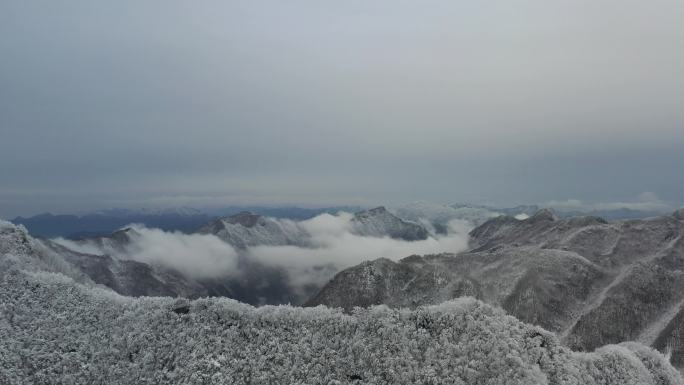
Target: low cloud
point(330, 245)
point(334, 247)
point(195, 255)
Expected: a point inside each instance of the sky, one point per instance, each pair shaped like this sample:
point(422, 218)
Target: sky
point(307, 102)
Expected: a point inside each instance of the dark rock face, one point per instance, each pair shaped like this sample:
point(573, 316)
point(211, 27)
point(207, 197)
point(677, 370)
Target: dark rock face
point(590, 281)
point(379, 222)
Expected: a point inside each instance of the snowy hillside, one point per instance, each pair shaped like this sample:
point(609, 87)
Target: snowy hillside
point(246, 229)
point(379, 222)
point(248, 257)
point(591, 281)
point(56, 330)
point(438, 216)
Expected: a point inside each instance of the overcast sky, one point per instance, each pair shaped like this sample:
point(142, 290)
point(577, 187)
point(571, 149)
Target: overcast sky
point(144, 103)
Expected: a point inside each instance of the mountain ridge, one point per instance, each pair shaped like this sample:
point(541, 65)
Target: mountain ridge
point(86, 334)
point(575, 276)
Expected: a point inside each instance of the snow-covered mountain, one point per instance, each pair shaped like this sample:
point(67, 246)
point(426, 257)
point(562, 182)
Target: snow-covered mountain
point(379, 222)
point(590, 281)
point(185, 219)
point(247, 229)
point(438, 215)
point(57, 326)
point(138, 261)
point(116, 270)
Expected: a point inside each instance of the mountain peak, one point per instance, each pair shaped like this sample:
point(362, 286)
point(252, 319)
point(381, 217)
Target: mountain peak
point(377, 210)
point(679, 214)
point(379, 222)
point(244, 218)
point(543, 215)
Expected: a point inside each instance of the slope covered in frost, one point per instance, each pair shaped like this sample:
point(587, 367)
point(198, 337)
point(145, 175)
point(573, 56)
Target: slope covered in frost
point(593, 282)
point(57, 331)
point(378, 222)
point(59, 328)
point(246, 229)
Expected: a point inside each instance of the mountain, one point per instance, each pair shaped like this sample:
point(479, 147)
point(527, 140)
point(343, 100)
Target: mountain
point(58, 327)
point(591, 281)
point(521, 210)
point(113, 243)
point(112, 260)
point(246, 229)
point(254, 283)
point(105, 222)
point(611, 214)
point(294, 213)
point(184, 219)
point(439, 216)
point(128, 277)
point(379, 222)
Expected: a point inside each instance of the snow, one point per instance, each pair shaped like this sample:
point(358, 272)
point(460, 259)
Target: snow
point(55, 329)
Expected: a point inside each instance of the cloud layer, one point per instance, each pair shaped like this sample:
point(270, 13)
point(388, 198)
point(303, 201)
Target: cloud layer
point(330, 247)
point(304, 102)
point(195, 255)
point(336, 247)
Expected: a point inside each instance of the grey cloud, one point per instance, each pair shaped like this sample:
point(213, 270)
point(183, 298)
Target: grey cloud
point(504, 101)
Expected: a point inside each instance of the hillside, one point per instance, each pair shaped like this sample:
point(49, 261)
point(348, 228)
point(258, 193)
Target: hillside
point(58, 328)
point(590, 281)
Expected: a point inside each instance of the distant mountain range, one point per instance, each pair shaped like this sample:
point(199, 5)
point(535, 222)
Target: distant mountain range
point(439, 215)
point(106, 259)
point(570, 275)
point(184, 219)
point(105, 222)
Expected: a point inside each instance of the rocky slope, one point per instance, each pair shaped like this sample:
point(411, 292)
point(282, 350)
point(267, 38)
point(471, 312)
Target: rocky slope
point(256, 284)
point(111, 260)
point(590, 281)
point(379, 222)
point(439, 216)
point(246, 229)
point(58, 328)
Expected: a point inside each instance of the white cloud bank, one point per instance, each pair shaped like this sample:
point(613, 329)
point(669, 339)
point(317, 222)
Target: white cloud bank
point(334, 245)
point(195, 255)
point(330, 247)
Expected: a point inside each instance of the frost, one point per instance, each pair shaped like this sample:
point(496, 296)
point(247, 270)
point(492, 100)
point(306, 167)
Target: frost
point(54, 329)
